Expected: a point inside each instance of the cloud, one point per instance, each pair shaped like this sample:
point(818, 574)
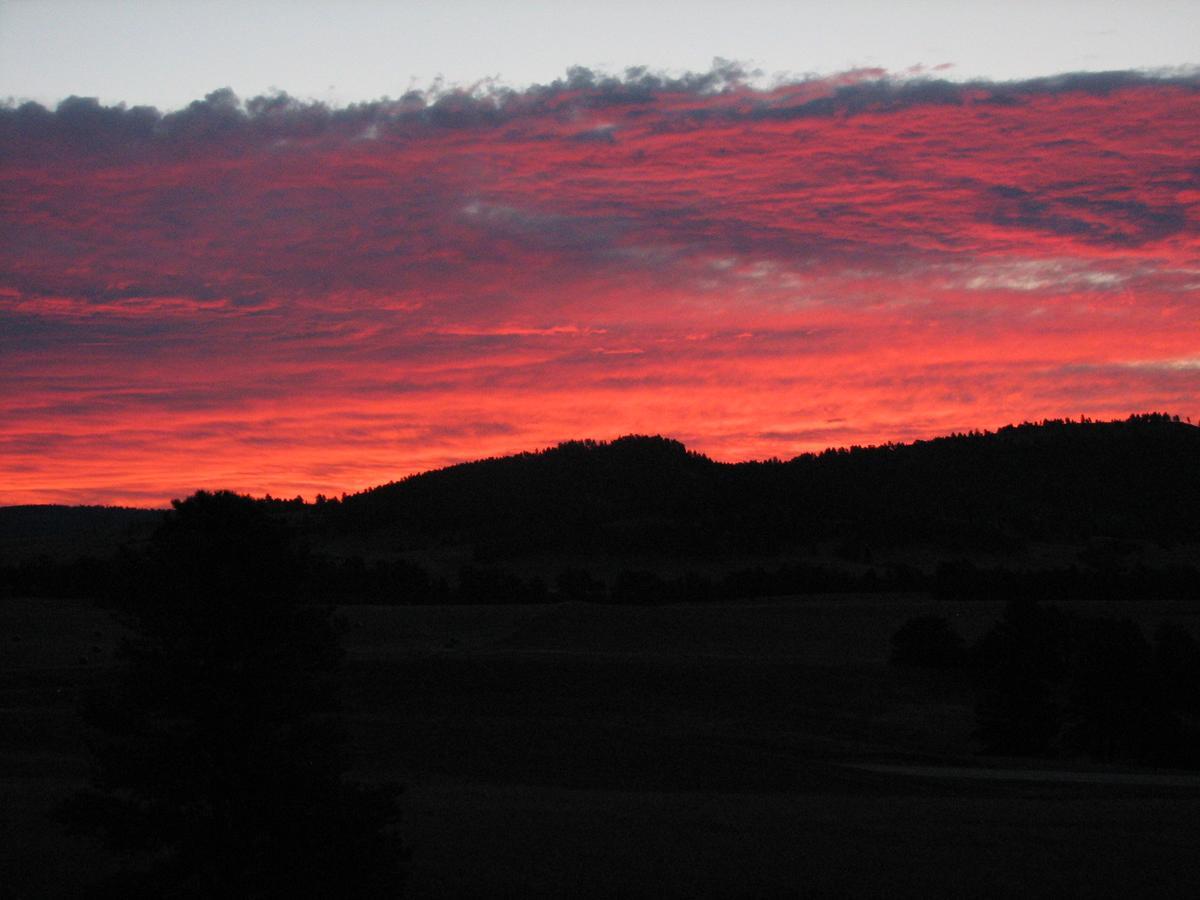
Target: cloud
point(257, 293)
point(221, 119)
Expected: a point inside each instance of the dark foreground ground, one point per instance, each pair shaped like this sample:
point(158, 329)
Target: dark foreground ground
point(754, 750)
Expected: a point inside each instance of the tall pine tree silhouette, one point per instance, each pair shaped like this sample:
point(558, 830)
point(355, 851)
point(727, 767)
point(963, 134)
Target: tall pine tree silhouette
point(220, 764)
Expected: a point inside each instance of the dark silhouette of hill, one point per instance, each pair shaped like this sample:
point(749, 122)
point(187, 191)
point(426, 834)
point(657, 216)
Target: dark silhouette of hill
point(65, 532)
point(647, 492)
point(1054, 480)
point(950, 516)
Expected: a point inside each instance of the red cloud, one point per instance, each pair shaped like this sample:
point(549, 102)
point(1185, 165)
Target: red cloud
point(285, 298)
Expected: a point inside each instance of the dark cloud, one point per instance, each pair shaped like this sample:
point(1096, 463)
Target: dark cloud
point(83, 125)
point(278, 295)
point(1101, 220)
point(602, 134)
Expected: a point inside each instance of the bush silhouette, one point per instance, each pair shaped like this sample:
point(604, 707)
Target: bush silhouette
point(219, 750)
point(1114, 707)
point(1020, 664)
point(1177, 659)
point(1087, 686)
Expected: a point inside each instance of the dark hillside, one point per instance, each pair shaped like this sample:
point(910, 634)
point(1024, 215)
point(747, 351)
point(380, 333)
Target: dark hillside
point(67, 532)
point(1062, 480)
point(642, 519)
point(1057, 480)
point(634, 491)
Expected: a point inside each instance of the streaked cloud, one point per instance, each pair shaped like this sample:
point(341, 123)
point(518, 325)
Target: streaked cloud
point(282, 296)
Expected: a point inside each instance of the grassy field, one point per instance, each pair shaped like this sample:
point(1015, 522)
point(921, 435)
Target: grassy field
point(671, 751)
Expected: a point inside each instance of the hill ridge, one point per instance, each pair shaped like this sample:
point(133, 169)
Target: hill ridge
point(1059, 478)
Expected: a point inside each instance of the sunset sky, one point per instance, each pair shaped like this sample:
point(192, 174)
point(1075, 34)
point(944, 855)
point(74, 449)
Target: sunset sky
point(878, 231)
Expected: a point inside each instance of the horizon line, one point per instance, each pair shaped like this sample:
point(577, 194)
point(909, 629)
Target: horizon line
point(1171, 418)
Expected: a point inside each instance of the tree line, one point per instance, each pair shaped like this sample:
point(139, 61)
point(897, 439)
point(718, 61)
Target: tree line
point(398, 581)
point(1055, 683)
point(989, 491)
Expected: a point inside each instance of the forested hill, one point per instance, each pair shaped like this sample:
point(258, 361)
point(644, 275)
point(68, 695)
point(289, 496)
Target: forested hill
point(1065, 481)
point(1056, 480)
point(67, 532)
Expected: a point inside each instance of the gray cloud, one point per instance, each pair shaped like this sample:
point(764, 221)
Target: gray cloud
point(83, 125)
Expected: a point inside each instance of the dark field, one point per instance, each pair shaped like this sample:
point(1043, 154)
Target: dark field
point(596, 751)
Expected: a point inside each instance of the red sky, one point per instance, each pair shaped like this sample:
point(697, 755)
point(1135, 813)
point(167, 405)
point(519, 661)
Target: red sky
point(277, 297)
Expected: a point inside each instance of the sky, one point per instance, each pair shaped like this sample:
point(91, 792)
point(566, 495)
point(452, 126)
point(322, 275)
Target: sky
point(472, 231)
point(167, 53)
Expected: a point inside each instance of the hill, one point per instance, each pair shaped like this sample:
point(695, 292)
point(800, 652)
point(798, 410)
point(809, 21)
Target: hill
point(67, 532)
point(1057, 480)
point(1057, 508)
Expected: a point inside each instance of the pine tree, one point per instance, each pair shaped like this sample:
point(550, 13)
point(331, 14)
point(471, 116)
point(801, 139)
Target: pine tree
point(220, 765)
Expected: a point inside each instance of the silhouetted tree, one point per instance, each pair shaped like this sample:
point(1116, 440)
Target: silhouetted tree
point(1177, 664)
point(1088, 686)
point(1177, 659)
point(1019, 663)
point(1113, 703)
point(489, 585)
point(219, 752)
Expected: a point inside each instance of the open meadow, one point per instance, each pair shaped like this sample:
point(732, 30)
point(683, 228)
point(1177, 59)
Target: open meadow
point(757, 749)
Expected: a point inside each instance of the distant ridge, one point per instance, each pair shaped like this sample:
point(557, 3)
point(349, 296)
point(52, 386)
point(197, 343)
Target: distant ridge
point(1135, 478)
point(1053, 481)
point(66, 532)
